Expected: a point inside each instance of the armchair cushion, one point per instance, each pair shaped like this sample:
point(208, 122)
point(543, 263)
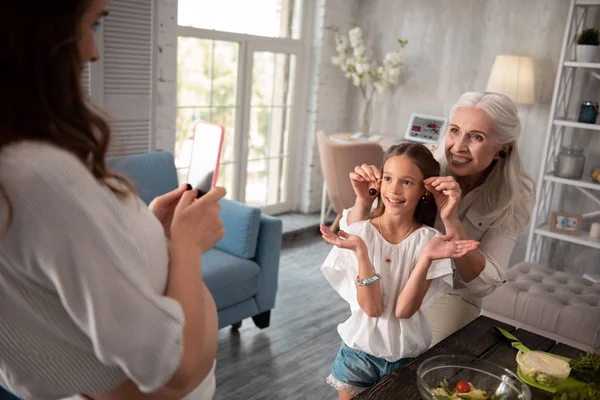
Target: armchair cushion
point(230, 279)
point(241, 224)
point(153, 174)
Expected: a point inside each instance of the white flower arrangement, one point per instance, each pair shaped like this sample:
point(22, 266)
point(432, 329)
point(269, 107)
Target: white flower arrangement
point(365, 74)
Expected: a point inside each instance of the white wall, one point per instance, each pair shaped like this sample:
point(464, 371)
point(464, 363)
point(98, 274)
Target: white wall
point(165, 86)
point(329, 96)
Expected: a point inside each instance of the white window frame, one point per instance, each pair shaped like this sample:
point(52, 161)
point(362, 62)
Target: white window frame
point(248, 45)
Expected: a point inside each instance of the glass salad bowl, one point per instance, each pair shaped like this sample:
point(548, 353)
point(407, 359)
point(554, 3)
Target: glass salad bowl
point(447, 377)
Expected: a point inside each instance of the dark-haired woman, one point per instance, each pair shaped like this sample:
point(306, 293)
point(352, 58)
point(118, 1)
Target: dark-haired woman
point(100, 296)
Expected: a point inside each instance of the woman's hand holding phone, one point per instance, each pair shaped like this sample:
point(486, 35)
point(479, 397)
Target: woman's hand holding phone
point(196, 222)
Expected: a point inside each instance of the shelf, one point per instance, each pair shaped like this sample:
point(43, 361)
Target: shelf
point(575, 124)
point(584, 239)
point(592, 277)
point(577, 64)
point(572, 182)
point(588, 2)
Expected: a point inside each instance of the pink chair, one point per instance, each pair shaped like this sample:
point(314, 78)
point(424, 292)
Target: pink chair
point(338, 159)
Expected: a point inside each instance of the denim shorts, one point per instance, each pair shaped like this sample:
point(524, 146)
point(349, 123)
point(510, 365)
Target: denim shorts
point(355, 371)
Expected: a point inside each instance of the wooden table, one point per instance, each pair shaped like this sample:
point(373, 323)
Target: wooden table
point(477, 339)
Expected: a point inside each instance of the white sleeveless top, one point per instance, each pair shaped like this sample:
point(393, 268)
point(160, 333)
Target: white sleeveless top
point(386, 337)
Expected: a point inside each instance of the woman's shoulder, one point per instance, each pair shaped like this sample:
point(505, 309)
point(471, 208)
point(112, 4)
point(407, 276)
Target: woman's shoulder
point(360, 228)
point(37, 156)
point(29, 162)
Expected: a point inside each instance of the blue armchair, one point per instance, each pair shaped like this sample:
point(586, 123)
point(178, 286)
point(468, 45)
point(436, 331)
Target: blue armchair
point(241, 271)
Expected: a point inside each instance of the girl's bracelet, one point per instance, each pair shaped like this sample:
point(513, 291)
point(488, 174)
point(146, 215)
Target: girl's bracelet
point(367, 281)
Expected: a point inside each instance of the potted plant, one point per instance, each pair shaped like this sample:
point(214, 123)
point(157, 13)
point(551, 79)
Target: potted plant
point(587, 45)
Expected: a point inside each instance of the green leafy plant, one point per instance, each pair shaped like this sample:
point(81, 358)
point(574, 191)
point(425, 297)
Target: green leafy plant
point(586, 368)
point(585, 392)
point(590, 36)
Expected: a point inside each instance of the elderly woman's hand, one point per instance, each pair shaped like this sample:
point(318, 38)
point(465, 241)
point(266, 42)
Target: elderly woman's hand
point(447, 195)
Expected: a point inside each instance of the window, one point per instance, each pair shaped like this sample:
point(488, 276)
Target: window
point(239, 70)
point(270, 18)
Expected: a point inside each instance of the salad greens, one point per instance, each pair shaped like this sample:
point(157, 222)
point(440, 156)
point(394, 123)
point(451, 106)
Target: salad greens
point(445, 392)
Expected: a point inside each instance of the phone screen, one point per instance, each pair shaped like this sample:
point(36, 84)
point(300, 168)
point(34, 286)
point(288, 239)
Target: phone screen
point(206, 156)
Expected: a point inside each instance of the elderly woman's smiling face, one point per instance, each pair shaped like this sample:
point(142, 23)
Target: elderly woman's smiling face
point(471, 144)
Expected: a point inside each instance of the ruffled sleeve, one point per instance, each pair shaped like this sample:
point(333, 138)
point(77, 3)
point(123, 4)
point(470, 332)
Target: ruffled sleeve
point(442, 275)
point(340, 269)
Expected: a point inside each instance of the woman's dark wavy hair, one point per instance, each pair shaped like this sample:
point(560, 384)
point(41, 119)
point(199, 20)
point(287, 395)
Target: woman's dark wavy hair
point(426, 210)
point(41, 96)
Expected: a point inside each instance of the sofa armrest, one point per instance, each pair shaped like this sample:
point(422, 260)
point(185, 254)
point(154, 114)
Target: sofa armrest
point(268, 252)
point(241, 223)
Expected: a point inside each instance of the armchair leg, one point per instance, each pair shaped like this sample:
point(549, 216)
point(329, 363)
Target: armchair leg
point(236, 326)
point(262, 320)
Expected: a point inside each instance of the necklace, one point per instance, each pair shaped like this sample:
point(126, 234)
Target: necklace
point(388, 259)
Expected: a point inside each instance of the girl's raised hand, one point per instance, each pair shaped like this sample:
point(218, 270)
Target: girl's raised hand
point(342, 240)
point(444, 247)
point(363, 178)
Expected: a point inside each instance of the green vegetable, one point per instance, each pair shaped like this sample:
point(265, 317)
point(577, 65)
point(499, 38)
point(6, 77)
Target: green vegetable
point(588, 392)
point(445, 392)
point(586, 368)
point(541, 378)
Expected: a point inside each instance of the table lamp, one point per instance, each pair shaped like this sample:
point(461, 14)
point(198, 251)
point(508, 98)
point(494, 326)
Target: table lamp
point(512, 76)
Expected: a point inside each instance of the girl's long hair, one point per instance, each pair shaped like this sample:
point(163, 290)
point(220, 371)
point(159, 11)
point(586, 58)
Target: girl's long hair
point(426, 210)
point(42, 97)
point(508, 190)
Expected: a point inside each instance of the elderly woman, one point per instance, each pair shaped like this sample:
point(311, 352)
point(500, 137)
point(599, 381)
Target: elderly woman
point(483, 194)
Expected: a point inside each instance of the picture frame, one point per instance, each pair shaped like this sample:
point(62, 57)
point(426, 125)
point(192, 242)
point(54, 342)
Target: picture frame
point(423, 128)
point(566, 223)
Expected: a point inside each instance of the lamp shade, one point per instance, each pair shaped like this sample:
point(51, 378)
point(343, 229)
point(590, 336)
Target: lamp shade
point(513, 76)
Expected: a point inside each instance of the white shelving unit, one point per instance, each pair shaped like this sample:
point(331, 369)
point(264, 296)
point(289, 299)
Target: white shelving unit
point(557, 124)
point(575, 124)
point(575, 64)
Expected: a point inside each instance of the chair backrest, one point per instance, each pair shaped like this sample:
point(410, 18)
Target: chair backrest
point(338, 160)
point(152, 174)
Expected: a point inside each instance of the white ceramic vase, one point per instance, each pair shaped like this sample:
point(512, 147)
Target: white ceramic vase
point(586, 53)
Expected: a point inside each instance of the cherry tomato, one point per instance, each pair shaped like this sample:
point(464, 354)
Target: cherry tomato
point(463, 387)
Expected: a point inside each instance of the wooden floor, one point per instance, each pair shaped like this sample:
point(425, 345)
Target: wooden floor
point(290, 359)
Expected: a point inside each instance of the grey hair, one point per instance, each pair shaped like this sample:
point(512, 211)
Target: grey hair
point(508, 190)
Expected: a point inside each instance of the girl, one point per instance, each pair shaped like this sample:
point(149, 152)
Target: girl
point(390, 268)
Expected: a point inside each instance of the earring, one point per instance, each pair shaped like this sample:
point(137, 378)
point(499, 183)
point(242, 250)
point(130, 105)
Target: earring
point(425, 199)
point(502, 154)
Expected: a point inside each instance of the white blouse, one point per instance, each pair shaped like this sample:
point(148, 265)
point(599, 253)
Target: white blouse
point(386, 337)
point(82, 281)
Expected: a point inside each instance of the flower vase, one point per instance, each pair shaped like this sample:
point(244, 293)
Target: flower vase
point(366, 116)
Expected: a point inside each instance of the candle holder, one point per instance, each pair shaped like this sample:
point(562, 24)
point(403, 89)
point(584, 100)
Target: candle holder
point(596, 173)
point(569, 163)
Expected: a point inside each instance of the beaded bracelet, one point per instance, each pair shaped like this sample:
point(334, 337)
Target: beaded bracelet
point(367, 281)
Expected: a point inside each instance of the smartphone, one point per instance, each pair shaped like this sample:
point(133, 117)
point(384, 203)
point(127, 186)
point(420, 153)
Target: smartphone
point(207, 145)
